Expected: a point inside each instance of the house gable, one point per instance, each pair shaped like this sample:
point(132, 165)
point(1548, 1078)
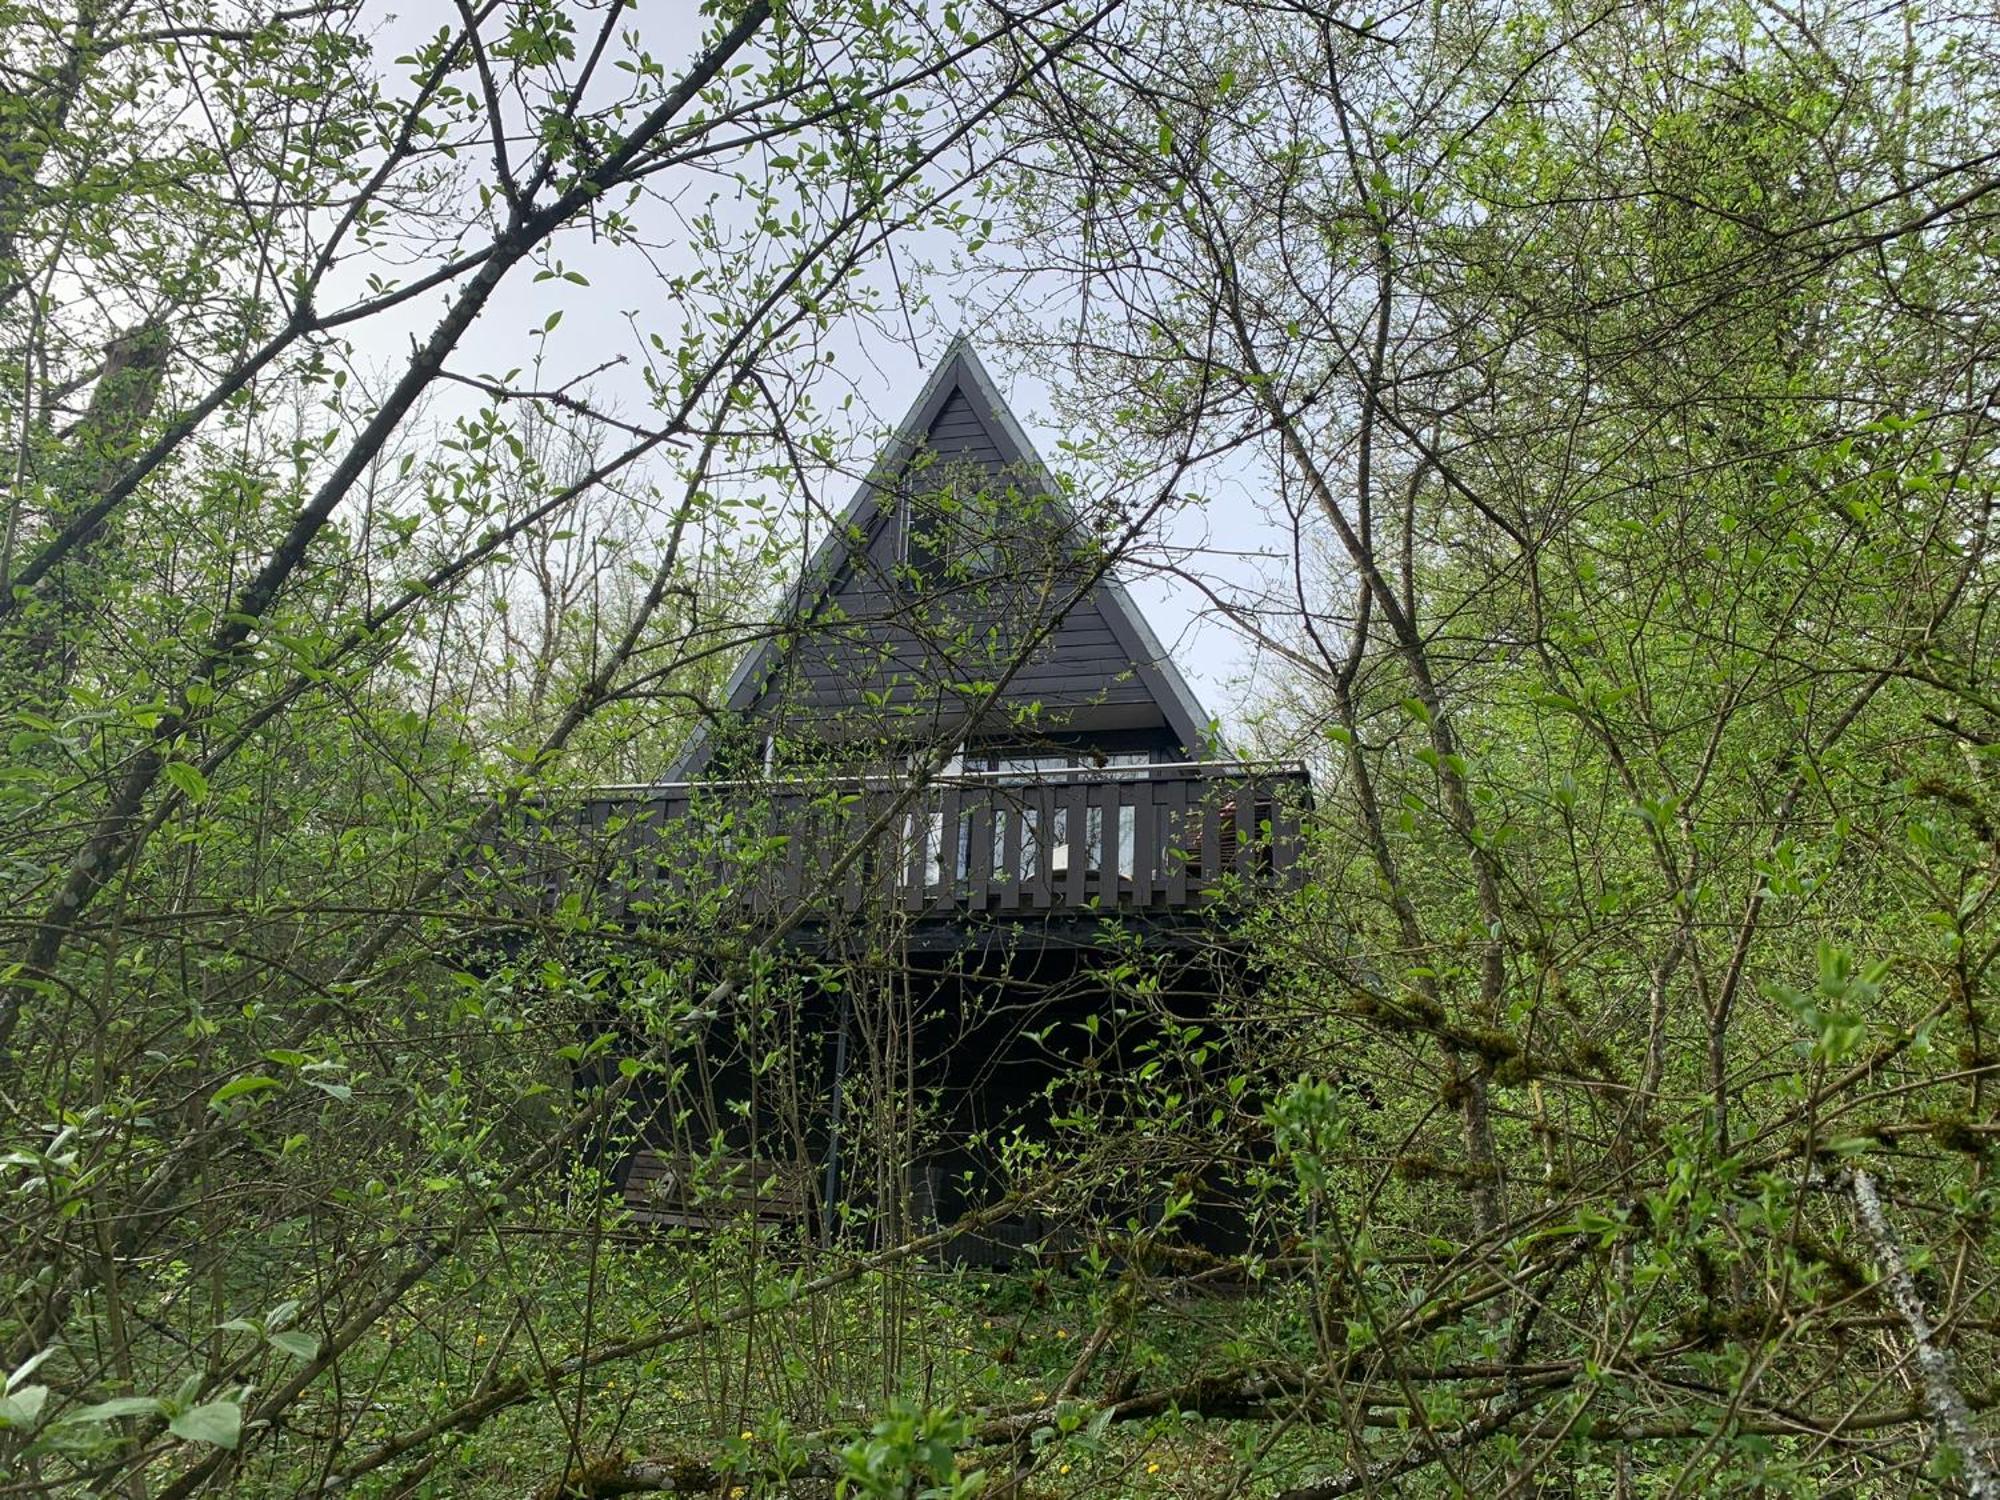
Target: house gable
point(891, 632)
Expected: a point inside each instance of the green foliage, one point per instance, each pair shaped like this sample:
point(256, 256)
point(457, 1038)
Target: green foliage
point(910, 1454)
point(1621, 382)
point(1644, 549)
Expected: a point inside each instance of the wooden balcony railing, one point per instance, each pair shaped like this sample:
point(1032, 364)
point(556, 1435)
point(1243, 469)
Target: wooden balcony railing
point(1138, 838)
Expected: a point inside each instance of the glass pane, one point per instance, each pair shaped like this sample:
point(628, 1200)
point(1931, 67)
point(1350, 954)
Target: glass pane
point(913, 830)
point(1029, 767)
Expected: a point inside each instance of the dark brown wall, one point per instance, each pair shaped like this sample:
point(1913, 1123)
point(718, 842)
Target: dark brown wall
point(881, 634)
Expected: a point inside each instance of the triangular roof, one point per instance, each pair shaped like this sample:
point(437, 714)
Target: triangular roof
point(959, 372)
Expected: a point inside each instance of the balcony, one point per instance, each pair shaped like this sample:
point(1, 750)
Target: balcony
point(1147, 838)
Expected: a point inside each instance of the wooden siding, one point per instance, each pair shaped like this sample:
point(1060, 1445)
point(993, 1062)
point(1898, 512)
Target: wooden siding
point(876, 647)
point(674, 1190)
point(960, 432)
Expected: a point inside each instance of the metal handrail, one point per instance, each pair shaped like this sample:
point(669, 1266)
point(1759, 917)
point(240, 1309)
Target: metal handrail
point(1139, 771)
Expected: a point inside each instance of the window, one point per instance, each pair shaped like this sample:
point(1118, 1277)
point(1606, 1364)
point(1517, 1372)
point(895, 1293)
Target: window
point(1025, 768)
point(1028, 767)
point(951, 540)
point(963, 525)
point(946, 854)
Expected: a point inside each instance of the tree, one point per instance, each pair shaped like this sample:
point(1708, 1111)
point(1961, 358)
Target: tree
point(1587, 348)
point(253, 1114)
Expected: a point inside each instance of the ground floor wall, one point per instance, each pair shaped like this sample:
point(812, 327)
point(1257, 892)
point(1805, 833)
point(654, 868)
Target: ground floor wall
point(1058, 1096)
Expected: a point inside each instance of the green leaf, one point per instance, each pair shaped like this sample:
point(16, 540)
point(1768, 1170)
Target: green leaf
point(219, 1423)
point(188, 780)
point(297, 1343)
point(23, 1409)
point(116, 1407)
point(34, 1361)
point(236, 1088)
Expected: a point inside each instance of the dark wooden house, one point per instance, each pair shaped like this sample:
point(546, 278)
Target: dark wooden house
point(960, 771)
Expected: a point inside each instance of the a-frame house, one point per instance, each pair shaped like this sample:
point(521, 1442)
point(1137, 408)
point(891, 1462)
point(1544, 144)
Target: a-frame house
point(956, 549)
point(958, 766)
